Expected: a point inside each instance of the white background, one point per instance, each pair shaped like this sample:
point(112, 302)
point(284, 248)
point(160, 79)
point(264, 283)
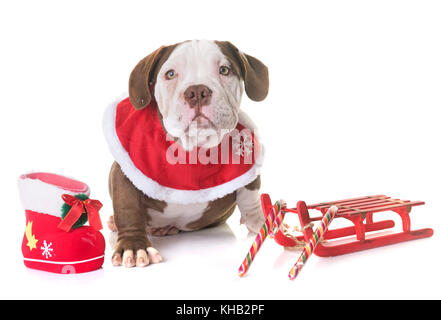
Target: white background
point(353, 110)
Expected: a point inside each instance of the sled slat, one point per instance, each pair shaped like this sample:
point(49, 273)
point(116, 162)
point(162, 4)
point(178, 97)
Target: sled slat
point(347, 201)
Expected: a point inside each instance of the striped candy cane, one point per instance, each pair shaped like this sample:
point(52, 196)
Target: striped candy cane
point(272, 222)
point(278, 220)
point(312, 244)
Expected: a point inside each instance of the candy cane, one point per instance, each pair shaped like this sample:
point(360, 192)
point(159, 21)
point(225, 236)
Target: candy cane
point(273, 220)
point(278, 220)
point(316, 237)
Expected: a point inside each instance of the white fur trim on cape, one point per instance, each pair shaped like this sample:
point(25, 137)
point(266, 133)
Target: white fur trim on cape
point(42, 197)
point(153, 189)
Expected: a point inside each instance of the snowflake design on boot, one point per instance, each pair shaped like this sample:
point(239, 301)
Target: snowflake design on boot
point(46, 248)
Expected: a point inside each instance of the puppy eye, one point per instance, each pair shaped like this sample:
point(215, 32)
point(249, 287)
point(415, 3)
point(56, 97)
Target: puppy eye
point(224, 70)
point(170, 74)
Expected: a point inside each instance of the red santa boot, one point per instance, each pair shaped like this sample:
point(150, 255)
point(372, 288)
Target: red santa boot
point(56, 208)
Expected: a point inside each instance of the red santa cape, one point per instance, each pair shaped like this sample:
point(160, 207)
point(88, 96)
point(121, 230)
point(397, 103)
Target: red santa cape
point(161, 169)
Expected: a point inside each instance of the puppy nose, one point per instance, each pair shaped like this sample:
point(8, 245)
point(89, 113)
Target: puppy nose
point(198, 95)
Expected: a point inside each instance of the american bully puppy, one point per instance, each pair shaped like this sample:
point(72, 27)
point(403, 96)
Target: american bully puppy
point(185, 153)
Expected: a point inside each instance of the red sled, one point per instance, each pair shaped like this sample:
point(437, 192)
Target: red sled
point(360, 212)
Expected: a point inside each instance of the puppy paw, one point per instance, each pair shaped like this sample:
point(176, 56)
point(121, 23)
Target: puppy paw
point(127, 255)
point(164, 231)
point(154, 255)
point(111, 224)
point(253, 220)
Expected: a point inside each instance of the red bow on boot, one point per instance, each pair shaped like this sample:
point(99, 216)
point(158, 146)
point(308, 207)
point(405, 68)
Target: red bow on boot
point(78, 206)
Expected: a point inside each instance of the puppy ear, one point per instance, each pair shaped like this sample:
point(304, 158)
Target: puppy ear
point(253, 72)
point(143, 76)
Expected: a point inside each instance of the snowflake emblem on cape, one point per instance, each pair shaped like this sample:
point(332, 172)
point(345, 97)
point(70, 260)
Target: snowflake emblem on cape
point(46, 248)
point(243, 147)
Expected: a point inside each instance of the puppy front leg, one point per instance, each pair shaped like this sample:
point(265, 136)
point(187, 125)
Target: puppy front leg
point(248, 201)
point(130, 217)
point(132, 241)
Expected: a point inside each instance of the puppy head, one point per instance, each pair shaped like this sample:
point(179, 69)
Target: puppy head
point(198, 86)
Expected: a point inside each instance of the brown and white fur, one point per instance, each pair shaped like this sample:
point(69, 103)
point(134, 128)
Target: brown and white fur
point(223, 73)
